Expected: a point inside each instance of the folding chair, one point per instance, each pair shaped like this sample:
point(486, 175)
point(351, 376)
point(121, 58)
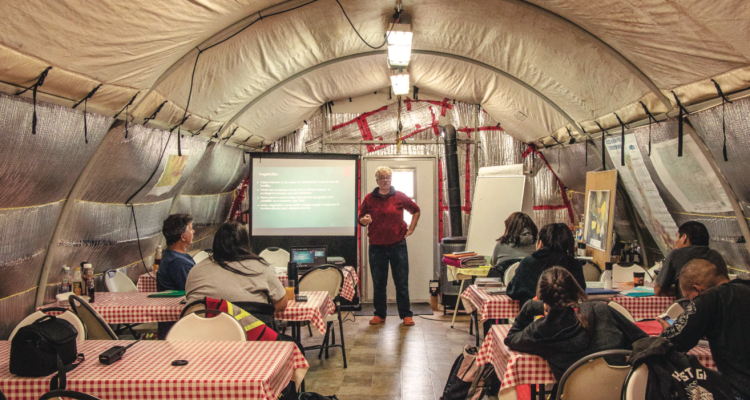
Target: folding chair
point(96, 327)
point(118, 282)
point(327, 278)
point(635, 384)
point(66, 315)
point(193, 327)
point(593, 378)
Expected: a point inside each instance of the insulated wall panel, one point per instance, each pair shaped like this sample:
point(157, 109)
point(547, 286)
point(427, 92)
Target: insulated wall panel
point(98, 226)
point(710, 126)
point(37, 172)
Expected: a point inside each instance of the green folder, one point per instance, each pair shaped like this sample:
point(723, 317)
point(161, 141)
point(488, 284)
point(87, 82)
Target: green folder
point(168, 293)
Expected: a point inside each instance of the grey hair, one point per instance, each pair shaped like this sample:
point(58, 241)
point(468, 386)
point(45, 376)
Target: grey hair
point(383, 169)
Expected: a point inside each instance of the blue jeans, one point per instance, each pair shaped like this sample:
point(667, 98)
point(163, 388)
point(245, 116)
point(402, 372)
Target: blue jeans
point(398, 257)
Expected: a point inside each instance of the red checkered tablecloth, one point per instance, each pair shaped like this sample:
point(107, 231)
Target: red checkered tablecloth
point(133, 307)
point(316, 309)
point(495, 306)
point(648, 307)
point(215, 370)
point(147, 284)
point(515, 369)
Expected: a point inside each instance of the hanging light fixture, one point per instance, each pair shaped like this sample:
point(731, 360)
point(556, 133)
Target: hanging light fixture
point(399, 44)
point(400, 82)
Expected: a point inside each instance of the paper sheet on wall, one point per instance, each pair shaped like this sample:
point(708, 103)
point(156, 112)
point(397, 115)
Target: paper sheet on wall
point(172, 173)
point(690, 178)
point(643, 192)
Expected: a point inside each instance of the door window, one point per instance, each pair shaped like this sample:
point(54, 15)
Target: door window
point(403, 180)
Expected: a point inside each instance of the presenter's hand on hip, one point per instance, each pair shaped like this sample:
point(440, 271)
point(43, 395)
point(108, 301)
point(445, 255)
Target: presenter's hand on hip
point(366, 220)
point(409, 232)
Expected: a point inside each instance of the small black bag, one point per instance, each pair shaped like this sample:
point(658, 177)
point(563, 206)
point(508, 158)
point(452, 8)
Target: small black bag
point(46, 346)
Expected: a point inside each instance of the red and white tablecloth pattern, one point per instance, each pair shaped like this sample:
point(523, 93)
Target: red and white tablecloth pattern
point(133, 307)
point(351, 280)
point(215, 370)
point(495, 306)
point(148, 284)
point(647, 307)
point(515, 368)
point(316, 309)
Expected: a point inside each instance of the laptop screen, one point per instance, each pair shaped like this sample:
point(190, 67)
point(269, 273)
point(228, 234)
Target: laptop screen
point(308, 257)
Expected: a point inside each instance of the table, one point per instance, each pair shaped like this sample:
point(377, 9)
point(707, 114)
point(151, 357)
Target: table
point(489, 306)
point(648, 307)
point(500, 306)
point(316, 309)
point(132, 307)
point(147, 284)
point(216, 370)
point(513, 368)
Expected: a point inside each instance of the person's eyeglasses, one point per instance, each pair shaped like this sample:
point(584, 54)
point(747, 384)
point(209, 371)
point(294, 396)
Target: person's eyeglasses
point(385, 179)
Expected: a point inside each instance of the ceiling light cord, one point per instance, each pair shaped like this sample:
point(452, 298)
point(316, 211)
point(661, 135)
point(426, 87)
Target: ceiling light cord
point(396, 18)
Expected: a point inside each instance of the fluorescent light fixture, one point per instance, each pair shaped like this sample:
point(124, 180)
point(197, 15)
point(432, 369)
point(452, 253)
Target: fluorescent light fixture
point(399, 45)
point(400, 83)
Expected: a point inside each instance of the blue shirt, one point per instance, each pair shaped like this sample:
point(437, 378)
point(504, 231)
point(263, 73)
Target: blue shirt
point(174, 269)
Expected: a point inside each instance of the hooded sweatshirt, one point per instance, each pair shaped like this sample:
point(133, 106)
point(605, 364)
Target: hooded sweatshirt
point(523, 285)
point(560, 338)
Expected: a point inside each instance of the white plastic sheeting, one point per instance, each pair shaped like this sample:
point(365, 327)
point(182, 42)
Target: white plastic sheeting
point(588, 58)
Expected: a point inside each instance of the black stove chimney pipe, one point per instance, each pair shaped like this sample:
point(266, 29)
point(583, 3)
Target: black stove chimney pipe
point(454, 189)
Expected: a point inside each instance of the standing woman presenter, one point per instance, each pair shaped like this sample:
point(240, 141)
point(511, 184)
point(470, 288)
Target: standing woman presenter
point(382, 212)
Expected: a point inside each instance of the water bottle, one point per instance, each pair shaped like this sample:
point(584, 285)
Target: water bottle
point(292, 272)
point(66, 284)
point(608, 275)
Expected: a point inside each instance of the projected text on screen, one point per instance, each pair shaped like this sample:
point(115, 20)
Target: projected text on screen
point(303, 197)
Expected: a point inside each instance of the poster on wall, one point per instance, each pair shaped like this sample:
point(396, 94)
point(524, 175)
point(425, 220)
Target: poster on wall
point(690, 178)
point(597, 219)
point(643, 192)
point(172, 173)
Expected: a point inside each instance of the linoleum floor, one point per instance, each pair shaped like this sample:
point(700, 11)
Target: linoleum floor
point(388, 361)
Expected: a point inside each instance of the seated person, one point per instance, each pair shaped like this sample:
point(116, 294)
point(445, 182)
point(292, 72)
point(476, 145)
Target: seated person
point(554, 248)
point(718, 311)
point(175, 262)
point(235, 273)
point(692, 243)
point(516, 243)
point(572, 326)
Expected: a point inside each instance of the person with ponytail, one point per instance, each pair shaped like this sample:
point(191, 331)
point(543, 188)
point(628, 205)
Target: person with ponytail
point(570, 327)
point(234, 273)
point(556, 246)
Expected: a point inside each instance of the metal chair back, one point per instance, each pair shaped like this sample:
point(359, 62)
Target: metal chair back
point(592, 378)
point(96, 327)
point(117, 282)
point(193, 327)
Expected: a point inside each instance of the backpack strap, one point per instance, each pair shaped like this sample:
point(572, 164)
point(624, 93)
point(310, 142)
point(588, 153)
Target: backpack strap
point(59, 381)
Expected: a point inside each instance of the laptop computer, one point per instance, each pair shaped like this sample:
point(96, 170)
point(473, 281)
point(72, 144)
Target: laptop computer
point(309, 256)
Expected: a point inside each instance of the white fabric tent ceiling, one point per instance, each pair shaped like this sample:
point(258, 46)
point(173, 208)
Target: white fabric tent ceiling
point(588, 58)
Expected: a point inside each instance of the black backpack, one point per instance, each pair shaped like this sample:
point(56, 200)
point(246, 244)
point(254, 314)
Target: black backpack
point(46, 346)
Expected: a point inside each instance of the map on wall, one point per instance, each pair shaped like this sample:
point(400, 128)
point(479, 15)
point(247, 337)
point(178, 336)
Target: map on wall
point(643, 192)
point(690, 178)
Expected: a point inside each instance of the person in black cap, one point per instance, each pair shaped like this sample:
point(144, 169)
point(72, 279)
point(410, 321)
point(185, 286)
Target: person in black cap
point(692, 243)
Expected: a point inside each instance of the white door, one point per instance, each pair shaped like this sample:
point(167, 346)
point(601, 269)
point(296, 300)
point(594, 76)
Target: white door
point(416, 176)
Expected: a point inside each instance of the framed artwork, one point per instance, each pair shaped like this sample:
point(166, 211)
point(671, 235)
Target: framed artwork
point(597, 219)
